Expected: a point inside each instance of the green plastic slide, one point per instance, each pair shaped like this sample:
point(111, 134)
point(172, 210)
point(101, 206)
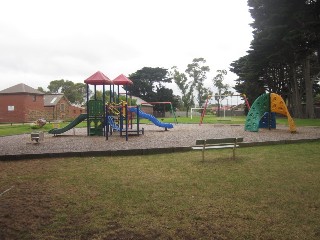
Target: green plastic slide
point(71, 125)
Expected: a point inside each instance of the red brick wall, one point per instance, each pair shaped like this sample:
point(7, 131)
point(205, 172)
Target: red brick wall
point(63, 111)
point(50, 113)
point(17, 115)
point(27, 107)
point(34, 109)
point(75, 111)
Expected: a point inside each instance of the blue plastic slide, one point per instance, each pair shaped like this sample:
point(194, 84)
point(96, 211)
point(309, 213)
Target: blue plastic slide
point(150, 117)
point(113, 124)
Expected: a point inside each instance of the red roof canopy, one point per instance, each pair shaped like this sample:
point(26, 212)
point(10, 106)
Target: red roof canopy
point(122, 80)
point(98, 79)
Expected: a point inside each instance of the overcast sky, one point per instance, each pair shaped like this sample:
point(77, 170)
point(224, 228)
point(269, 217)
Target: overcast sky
point(42, 41)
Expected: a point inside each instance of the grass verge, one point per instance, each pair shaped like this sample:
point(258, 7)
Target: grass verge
point(7, 129)
point(269, 192)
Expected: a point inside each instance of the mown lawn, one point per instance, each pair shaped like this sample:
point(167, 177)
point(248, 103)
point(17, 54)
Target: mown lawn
point(14, 129)
point(269, 192)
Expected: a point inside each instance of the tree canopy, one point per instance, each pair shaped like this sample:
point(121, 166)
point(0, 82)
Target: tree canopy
point(149, 84)
point(185, 87)
point(74, 92)
point(284, 54)
point(223, 89)
point(191, 83)
point(197, 71)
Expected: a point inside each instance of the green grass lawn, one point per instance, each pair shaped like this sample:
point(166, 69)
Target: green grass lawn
point(7, 129)
point(269, 192)
point(240, 120)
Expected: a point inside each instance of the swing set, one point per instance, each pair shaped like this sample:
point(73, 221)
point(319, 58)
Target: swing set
point(164, 104)
point(210, 97)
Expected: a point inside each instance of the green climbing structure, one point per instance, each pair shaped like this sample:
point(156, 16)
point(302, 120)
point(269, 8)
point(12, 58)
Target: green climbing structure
point(96, 117)
point(256, 112)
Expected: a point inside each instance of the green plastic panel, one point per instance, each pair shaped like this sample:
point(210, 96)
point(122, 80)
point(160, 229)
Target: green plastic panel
point(96, 108)
point(257, 110)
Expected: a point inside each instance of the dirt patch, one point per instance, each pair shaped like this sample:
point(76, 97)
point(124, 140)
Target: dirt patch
point(24, 210)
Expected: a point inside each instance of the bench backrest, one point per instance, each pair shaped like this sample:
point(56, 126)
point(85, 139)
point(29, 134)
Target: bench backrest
point(219, 141)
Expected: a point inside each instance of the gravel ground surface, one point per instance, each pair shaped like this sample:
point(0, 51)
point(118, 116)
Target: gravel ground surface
point(182, 135)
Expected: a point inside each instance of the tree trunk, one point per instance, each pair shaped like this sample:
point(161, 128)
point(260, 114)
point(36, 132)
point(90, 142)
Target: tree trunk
point(309, 88)
point(296, 97)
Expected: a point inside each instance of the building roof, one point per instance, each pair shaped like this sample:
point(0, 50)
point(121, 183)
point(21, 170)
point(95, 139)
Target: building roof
point(98, 78)
point(52, 99)
point(21, 88)
point(139, 101)
point(122, 80)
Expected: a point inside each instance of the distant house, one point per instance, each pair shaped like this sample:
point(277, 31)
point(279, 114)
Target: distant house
point(58, 107)
point(21, 103)
point(145, 107)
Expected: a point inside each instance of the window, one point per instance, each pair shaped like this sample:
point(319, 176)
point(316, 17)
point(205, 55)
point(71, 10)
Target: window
point(62, 107)
point(34, 97)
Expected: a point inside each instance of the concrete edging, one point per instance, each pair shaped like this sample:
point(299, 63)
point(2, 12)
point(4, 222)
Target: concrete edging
point(137, 152)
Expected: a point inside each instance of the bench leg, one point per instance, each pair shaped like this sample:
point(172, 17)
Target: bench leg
point(204, 148)
point(234, 149)
point(203, 153)
point(234, 153)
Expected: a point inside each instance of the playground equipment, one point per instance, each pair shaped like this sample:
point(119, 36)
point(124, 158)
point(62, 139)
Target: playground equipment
point(71, 125)
point(150, 117)
point(37, 136)
point(117, 119)
point(268, 120)
point(122, 80)
point(95, 118)
point(192, 109)
point(95, 108)
point(102, 119)
point(246, 100)
point(264, 108)
point(204, 110)
point(165, 103)
point(206, 104)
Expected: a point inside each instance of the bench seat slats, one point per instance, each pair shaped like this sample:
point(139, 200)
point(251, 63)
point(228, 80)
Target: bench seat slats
point(215, 143)
point(218, 140)
point(214, 147)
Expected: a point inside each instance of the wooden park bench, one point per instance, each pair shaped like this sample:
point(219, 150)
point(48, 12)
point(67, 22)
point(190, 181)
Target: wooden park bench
point(217, 143)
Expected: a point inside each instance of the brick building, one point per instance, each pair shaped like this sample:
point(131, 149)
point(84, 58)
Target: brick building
point(21, 103)
point(58, 107)
point(147, 108)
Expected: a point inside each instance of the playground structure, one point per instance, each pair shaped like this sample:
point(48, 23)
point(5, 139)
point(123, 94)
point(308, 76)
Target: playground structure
point(164, 103)
point(204, 110)
point(118, 117)
point(262, 113)
point(105, 117)
point(210, 97)
point(246, 100)
point(192, 109)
